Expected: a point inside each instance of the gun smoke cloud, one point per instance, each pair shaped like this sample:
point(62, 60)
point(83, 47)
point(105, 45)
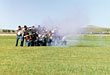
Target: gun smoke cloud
point(71, 24)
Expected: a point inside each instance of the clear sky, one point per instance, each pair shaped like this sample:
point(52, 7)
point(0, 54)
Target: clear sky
point(34, 12)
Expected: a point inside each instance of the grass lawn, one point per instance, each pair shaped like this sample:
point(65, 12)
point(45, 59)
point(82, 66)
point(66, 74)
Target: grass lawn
point(84, 59)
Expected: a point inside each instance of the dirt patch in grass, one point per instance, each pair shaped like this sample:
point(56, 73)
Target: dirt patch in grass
point(7, 34)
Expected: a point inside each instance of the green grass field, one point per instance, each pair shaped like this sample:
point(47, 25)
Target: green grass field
point(88, 56)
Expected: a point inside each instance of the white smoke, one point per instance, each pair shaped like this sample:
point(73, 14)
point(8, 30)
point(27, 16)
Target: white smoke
point(69, 25)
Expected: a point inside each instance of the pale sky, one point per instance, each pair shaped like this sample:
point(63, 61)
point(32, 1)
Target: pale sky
point(34, 12)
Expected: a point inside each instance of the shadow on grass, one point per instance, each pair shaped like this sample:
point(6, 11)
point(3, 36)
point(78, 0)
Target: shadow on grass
point(86, 46)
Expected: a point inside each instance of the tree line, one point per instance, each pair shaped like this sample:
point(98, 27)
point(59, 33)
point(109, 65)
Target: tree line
point(7, 31)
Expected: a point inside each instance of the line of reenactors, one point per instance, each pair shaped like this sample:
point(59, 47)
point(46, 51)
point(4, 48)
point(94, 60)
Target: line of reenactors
point(38, 36)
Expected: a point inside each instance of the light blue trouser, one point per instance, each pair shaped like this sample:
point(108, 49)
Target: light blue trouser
point(28, 43)
point(21, 40)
